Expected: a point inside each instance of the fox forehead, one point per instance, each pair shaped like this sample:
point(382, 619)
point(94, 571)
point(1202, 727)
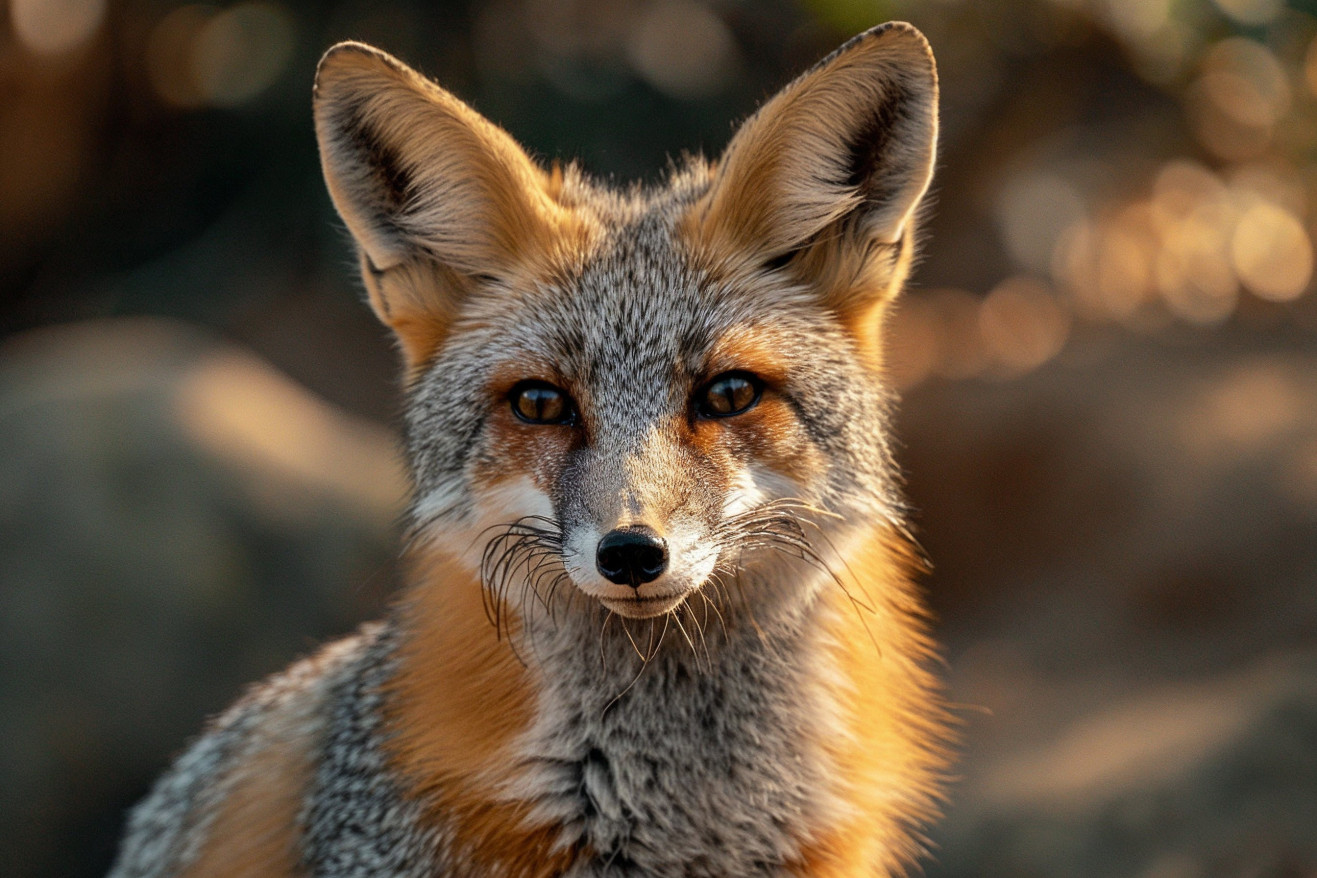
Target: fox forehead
point(640, 311)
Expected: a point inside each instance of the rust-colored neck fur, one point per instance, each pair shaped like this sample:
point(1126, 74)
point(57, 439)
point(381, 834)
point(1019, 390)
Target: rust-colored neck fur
point(462, 700)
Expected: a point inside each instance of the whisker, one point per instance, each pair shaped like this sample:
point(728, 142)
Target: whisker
point(720, 589)
point(662, 634)
point(603, 631)
point(627, 630)
point(699, 629)
point(682, 628)
point(780, 526)
point(520, 555)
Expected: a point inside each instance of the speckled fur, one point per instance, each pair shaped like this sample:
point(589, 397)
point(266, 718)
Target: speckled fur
point(729, 736)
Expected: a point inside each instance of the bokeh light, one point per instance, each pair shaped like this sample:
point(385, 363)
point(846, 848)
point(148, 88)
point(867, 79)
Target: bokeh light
point(1238, 98)
point(50, 27)
point(241, 51)
point(1271, 252)
point(682, 48)
point(1033, 209)
point(1022, 325)
point(1137, 234)
point(201, 55)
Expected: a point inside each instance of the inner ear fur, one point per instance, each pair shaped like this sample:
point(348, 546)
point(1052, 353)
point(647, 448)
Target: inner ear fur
point(436, 196)
point(825, 180)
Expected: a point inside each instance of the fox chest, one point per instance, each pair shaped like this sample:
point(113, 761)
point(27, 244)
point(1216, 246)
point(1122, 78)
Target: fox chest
point(684, 773)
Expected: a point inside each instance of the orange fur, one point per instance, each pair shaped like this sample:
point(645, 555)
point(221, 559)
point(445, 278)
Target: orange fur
point(418, 302)
point(517, 448)
point(473, 198)
point(785, 188)
point(255, 833)
point(783, 180)
point(769, 434)
point(888, 766)
point(461, 700)
point(458, 703)
point(444, 203)
point(748, 351)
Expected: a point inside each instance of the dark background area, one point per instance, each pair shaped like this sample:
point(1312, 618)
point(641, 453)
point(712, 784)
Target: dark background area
point(1108, 359)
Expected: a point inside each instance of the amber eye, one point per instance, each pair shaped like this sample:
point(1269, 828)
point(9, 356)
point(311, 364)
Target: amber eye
point(729, 394)
point(538, 402)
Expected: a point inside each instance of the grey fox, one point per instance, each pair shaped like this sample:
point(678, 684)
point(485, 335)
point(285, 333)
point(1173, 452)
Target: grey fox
point(660, 618)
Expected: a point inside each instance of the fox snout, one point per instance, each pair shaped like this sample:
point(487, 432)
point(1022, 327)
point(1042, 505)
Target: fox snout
point(639, 527)
point(637, 572)
point(632, 556)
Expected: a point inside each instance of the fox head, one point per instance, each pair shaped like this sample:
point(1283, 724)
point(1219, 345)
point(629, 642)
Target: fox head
point(639, 396)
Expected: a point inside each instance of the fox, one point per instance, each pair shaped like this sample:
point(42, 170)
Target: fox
point(662, 611)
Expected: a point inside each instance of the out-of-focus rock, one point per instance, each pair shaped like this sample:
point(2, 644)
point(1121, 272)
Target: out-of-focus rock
point(1126, 552)
point(176, 520)
point(1174, 780)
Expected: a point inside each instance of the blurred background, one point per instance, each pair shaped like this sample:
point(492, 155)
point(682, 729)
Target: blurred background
point(1108, 359)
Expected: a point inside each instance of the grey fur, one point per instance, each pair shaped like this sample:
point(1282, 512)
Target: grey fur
point(168, 827)
point(688, 744)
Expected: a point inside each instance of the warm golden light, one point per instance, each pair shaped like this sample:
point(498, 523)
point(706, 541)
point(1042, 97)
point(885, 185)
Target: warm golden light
point(279, 437)
point(961, 352)
point(1107, 267)
point(50, 27)
point(1246, 411)
point(912, 350)
point(1271, 252)
point(1193, 242)
point(1239, 97)
point(1193, 216)
point(1022, 325)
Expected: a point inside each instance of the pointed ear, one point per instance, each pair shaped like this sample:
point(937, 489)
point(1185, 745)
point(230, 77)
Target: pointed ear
point(438, 198)
point(825, 180)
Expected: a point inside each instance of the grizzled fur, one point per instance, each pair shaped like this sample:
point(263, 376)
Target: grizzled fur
point(763, 707)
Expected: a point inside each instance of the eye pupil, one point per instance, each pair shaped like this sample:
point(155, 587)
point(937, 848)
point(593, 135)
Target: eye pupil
point(539, 403)
point(728, 395)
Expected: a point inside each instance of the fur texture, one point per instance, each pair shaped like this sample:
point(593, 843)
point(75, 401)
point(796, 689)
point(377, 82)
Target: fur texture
point(762, 707)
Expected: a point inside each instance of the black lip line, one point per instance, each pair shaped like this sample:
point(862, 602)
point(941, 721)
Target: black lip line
point(644, 600)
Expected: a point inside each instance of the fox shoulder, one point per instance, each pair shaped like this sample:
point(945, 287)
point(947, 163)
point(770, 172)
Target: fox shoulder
point(230, 804)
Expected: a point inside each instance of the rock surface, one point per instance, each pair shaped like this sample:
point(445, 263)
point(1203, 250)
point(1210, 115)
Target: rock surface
point(176, 520)
point(1126, 546)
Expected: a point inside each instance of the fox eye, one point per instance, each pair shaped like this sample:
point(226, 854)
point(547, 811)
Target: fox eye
point(728, 394)
point(538, 402)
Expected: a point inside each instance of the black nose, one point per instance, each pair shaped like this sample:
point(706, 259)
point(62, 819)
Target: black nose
point(631, 556)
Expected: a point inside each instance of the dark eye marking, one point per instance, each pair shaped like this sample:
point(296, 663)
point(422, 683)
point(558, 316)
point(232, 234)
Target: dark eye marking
point(728, 394)
point(539, 402)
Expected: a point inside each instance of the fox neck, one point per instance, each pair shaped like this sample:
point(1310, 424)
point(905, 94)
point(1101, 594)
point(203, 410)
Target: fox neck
point(781, 737)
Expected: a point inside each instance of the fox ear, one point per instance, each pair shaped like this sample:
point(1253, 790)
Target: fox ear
point(826, 178)
point(437, 197)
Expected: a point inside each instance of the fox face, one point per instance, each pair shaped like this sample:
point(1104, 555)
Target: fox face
point(626, 399)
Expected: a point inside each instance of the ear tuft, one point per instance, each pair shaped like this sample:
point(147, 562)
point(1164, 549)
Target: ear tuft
point(834, 167)
point(367, 178)
point(436, 196)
